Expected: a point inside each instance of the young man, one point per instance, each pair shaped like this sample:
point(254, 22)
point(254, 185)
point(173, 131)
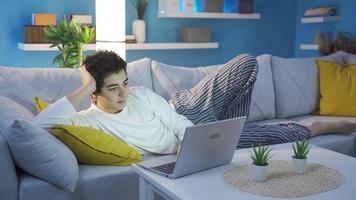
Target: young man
point(146, 121)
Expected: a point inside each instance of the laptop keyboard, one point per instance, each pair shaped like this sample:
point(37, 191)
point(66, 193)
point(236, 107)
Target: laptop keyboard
point(166, 168)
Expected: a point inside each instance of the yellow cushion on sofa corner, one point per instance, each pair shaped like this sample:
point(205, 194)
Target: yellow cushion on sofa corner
point(92, 146)
point(40, 104)
point(337, 88)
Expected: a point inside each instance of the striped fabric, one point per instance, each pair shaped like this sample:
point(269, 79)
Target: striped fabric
point(226, 94)
point(272, 134)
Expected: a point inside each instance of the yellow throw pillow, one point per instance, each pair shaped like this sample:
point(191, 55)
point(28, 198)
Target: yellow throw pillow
point(337, 88)
point(92, 146)
point(39, 104)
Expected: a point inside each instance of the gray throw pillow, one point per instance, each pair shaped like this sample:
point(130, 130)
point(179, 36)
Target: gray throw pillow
point(40, 154)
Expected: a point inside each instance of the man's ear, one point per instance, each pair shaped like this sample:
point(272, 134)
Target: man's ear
point(93, 97)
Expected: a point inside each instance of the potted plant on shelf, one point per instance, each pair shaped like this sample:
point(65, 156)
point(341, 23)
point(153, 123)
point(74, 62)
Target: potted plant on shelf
point(299, 159)
point(69, 38)
point(260, 156)
point(139, 25)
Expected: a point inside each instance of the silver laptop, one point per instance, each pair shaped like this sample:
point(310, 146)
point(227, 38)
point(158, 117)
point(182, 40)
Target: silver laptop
point(204, 146)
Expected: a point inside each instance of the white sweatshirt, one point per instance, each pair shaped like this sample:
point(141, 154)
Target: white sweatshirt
point(147, 122)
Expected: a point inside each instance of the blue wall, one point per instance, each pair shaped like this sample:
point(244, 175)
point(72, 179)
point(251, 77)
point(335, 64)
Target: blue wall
point(305, 32)
point(15, 13)
point(274, 33)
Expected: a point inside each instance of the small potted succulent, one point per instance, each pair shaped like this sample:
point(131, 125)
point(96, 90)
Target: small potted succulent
point(299, 159)
point(260, 156)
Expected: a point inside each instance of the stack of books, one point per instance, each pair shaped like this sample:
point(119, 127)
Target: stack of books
point(34, 33)
point(320, 12)
point(82, 19)
point(130, 39)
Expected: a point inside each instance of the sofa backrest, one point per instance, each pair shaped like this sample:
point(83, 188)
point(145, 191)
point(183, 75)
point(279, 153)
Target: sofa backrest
point(296, 84)
point(168, 79)
point(348, 58)
point(263, 96)
point(51, 84)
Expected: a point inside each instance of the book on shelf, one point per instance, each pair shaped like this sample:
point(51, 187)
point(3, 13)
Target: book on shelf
point(322, 11)
point(130, 39)
point(34, 34)
point(43, 19)
point(82, 19)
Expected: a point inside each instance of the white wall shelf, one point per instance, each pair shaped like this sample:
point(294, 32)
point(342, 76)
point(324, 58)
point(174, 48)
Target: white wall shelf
point(309, 47)
point(208, 15)
point(305, 20)
point(129, 46)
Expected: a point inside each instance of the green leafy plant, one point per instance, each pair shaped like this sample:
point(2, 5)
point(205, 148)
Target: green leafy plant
point(140, 6)
point(301, 149)
point(260, 155)
point(69, 38)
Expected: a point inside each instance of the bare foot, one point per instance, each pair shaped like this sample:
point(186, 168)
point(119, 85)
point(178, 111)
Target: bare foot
point(344, 126)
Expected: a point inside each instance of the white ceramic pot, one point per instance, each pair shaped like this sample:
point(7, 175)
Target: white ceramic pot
point(139, 30)
point(298, 165)
point(259, 173)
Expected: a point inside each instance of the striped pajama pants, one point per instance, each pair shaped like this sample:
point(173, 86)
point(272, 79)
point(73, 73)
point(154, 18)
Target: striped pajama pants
point(226, 94)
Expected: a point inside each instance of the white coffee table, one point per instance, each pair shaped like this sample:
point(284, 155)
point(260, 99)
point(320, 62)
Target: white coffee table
point(210, 184)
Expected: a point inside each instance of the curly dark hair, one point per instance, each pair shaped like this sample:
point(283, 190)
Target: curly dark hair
point(102, 64)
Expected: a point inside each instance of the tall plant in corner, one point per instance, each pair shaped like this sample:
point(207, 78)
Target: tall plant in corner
point(139, 25)
point(69, 38)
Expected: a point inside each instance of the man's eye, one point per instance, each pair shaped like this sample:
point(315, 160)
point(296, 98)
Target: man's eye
point(111, 89)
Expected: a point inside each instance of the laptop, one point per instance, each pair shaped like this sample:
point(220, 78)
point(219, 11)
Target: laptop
point(204, 146)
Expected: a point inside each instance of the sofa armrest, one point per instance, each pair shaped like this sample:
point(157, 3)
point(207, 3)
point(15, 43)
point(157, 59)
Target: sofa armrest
point(8, 176)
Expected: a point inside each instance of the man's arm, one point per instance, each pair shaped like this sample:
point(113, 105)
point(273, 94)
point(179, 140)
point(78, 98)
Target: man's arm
point(168, 115)
point(63, 111)
point(87, 88)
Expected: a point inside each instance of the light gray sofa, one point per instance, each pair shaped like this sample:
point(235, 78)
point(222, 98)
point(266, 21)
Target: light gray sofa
point(285, 90)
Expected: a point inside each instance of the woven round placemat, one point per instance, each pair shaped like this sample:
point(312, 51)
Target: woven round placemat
point(283, 182)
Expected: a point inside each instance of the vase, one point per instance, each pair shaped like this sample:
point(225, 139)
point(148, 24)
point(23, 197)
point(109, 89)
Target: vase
point(259, 173)
point(298, 165)
point(139, 30)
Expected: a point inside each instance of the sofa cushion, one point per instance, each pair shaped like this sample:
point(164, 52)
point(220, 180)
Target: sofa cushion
point(39, 153)
point(11, 110)
point(139, 73)
point(92, 146)
point(307, 120)
point(9, 183)
point(94, 183)
point(337, 88)
point(104, 182)
point(168, 79)
point(50, 84)
point(349, 58)
point(263, 98)
point(296, 84)
point(342, 143)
